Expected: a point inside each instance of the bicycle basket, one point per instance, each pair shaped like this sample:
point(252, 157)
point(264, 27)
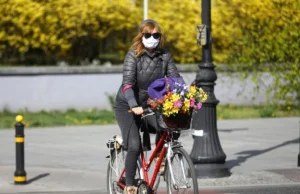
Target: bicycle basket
point(180, 121)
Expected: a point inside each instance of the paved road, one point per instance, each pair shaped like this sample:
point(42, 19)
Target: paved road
point(265, 189)
point(72, 159)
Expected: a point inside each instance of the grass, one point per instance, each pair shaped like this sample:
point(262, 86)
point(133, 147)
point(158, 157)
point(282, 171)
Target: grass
point(102, 117)
point(58, 118)
point(244, 112)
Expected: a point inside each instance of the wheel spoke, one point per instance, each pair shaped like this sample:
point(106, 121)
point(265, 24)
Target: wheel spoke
point(115, 168)
point(183, 173)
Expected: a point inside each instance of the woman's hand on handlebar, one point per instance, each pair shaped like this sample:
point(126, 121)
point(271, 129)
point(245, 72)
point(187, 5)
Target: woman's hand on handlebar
point(138, 110)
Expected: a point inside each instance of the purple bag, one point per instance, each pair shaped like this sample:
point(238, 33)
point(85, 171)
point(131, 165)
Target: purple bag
point(158, 88)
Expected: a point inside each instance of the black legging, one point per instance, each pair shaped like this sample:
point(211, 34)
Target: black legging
point(129, 125)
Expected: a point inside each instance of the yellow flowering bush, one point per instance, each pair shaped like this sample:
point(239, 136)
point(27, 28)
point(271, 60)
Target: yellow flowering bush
point(58, 27)
point(261, 36)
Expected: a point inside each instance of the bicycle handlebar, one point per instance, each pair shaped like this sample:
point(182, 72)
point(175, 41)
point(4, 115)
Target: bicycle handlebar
point(147, 112)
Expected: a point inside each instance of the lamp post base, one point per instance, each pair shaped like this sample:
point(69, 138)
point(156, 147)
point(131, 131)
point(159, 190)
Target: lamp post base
point(211, 170)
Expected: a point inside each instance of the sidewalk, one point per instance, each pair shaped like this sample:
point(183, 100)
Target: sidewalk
point(259, 152)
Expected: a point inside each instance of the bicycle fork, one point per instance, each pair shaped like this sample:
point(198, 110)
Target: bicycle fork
point(169, 155)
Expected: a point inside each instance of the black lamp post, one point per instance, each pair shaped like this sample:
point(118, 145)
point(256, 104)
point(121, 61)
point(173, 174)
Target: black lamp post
point(207, 153)
point(299, 148)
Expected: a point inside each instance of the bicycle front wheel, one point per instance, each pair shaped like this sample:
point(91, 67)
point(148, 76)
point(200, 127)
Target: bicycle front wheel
point(180, 174)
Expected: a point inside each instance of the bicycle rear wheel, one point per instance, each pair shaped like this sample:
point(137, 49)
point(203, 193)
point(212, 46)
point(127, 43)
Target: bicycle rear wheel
point(115, 167)
point(114, 170)
point(184, 177)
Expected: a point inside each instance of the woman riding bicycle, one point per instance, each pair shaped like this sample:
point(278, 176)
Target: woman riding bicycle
point(145, 62)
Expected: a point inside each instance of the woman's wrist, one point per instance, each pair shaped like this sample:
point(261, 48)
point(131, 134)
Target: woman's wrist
point(132, 103)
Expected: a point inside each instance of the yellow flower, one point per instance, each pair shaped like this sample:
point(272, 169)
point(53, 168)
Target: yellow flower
point(204, 98)
point(186, 105)
point(203, 95)
point(175, 110)
point(168, 105)
point(175, 97)
point(193, 89)
point(167, 112)
point(192, 92)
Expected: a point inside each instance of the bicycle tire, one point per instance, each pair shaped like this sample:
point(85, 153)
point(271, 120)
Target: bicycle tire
point(190, 173)
point(113, 189)
point(110, 180)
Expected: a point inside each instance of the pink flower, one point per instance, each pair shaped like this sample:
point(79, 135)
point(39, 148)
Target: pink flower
point(199, 105)
point(177, 103)
point(192, 102)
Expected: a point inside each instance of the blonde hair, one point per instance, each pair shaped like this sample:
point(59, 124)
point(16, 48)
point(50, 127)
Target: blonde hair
point(137, 45)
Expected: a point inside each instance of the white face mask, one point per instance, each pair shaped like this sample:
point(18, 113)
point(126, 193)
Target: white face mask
point(151, 42)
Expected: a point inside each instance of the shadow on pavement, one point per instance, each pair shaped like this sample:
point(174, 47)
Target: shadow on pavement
point(251, 153)
point(37, 177)
point(232, 130)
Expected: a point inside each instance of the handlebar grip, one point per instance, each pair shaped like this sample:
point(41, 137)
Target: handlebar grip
point(146, 110)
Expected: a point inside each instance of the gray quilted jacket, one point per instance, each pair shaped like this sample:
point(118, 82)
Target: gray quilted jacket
point(140, 72)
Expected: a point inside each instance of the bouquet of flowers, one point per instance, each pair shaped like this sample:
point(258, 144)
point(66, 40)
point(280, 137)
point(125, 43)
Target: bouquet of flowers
point(175, 101)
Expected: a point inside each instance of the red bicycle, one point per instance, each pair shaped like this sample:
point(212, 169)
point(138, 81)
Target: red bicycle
point(179, 173)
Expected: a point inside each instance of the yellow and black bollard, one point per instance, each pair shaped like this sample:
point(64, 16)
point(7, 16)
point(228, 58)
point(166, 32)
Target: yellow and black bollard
point(20, 174)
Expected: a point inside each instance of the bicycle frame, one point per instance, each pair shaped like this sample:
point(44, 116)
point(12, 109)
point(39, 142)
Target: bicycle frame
point(146, 165)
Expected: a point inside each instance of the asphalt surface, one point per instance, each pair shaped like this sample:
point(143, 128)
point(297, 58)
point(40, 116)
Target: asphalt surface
point(261, 189)
point(261, 156)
